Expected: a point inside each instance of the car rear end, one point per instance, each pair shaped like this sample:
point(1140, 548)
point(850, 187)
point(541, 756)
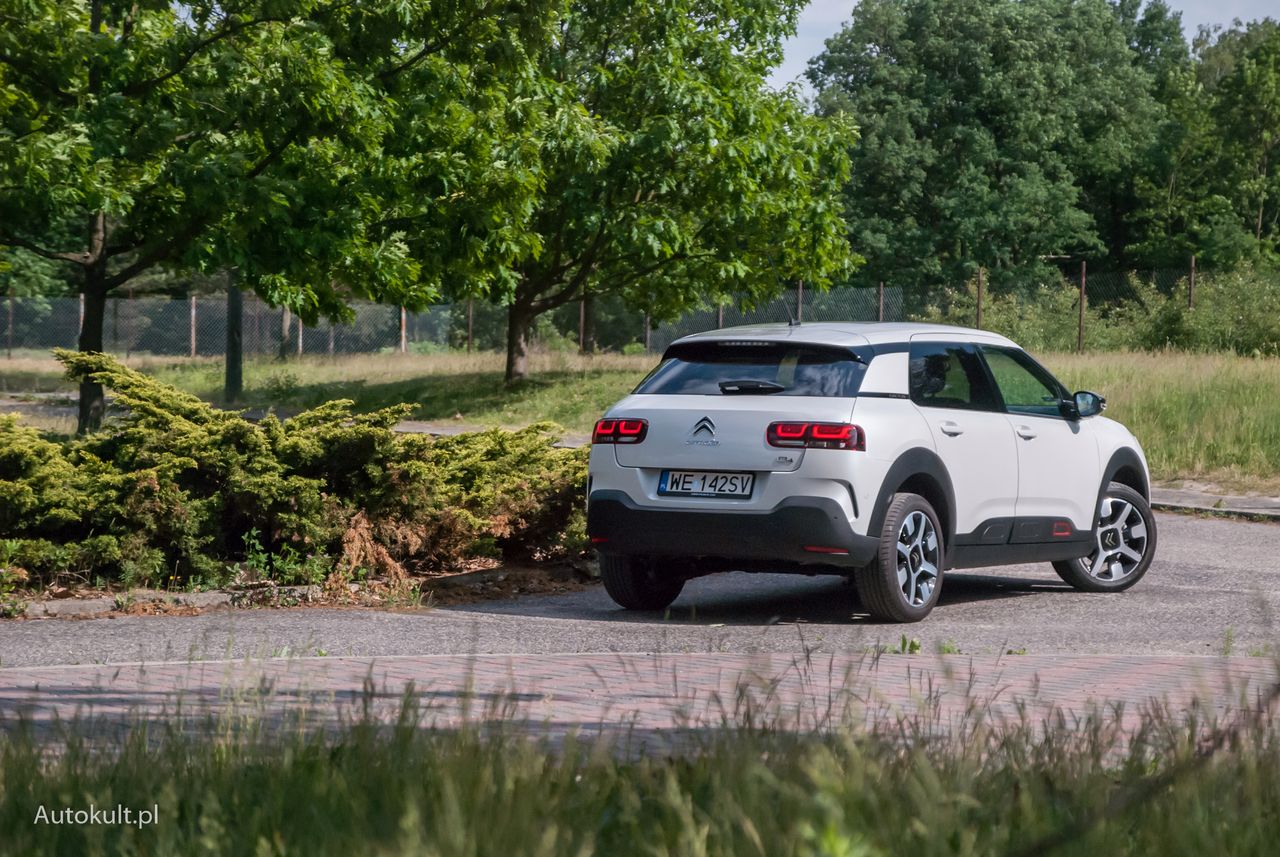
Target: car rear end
point(740, 447)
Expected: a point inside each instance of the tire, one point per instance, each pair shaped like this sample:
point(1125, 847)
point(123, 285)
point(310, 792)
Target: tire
point(1125, 529)
point(636, 583)
point(904, 581)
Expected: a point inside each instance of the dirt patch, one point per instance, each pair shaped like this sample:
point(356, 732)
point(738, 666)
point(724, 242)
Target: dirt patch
point(482, 581)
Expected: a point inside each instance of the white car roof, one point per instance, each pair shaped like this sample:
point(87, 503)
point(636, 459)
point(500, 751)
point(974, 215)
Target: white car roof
point(846, 333)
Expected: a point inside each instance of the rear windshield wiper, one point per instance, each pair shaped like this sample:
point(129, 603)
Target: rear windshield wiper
point(747, 387)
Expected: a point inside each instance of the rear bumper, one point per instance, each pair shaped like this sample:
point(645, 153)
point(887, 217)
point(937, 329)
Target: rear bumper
point(617, 525)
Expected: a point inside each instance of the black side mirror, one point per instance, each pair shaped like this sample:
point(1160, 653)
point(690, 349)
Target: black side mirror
point(1083, 404)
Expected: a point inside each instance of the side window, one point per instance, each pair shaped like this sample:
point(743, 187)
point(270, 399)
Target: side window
point(949, 375)
point(1025, 387)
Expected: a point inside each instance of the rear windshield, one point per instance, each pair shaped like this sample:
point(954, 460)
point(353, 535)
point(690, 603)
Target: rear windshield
point(755, 368)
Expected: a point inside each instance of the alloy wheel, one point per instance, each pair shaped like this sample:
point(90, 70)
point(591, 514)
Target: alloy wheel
point(1121, 543)
point(918, 558)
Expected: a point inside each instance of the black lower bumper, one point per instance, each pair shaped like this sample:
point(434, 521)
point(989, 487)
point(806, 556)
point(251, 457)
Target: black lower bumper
point(617, 525)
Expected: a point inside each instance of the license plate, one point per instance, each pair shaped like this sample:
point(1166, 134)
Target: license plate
point(703, 483)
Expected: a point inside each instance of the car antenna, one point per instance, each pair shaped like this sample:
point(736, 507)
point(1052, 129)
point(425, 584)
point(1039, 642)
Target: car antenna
point(792, 321)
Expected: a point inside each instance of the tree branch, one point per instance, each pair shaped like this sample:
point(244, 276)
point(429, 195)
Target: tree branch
point(79, 257)
point(190, 55)
point(166, 249)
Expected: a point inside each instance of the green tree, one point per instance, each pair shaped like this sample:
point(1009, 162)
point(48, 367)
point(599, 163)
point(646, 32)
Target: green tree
point(300, 141)
point(1249, 114)
point(673, 174)
point(991, 131)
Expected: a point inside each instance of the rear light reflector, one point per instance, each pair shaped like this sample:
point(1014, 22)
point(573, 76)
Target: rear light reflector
point(816, 436)
point(620, 431)
point(599, 540)
point(825, 549)
point(1061, 529)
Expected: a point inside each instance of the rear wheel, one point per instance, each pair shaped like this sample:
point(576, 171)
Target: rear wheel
point(636, 583)
point(903, 583)
point(1125, 545)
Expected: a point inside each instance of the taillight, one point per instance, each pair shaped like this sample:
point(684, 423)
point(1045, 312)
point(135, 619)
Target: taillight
point(817, 435)
point(620, 431)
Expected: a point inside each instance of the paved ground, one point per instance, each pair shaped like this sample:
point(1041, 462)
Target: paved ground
point(1215, 588)
point(641, 695)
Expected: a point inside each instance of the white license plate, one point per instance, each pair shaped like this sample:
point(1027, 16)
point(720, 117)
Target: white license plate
point(705, 483)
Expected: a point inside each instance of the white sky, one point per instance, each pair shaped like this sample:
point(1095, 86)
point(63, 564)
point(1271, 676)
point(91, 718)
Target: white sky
point(823, 18)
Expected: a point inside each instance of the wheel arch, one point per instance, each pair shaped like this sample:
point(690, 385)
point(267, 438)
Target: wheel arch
point(919, 471)
point(1125, 467)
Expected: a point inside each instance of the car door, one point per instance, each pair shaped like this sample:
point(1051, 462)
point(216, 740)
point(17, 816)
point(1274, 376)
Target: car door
point(971, 434)
point(1058, 468)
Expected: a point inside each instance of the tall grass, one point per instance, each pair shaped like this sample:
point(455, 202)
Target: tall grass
point(904, 788)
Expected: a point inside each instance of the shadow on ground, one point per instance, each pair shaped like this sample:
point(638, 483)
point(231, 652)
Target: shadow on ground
point(763, 599)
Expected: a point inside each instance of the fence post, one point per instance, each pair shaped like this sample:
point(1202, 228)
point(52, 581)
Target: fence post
point(1191, 285)
point(470, 320)
point(800, 300)
point(81, 327)
point(128, 328)
point(880, 301)
point(404, 333)
point(982, 283)
point(299, 336)
point(193, 325)
point(331, 326)
point(719, 315)
point(647, 333)
point(233, 376)
point(1083, 300)
point(10, 340)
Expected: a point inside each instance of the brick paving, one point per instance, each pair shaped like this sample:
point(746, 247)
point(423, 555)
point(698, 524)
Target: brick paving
point(649, 693)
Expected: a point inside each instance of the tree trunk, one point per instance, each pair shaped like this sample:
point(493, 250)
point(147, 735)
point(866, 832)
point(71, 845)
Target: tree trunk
point(588, 324)
point(92, 400)
point(233, 384)
point(284, 334)
point(519, 326)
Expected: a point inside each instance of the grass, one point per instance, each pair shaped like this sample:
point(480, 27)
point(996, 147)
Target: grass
point(245, 786)
point(1202, 418)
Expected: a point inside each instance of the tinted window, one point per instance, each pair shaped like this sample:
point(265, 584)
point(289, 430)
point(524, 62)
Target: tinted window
point(697, 369)
point(947, 375)
point(1025, 387)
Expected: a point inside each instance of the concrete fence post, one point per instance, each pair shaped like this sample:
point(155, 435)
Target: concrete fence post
point(1084, 298)
point(1191, 285)
point(192, 349)
point(880, 301)
point(982, 282)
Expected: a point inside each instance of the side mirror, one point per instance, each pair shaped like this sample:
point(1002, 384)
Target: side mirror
point(1084, 404)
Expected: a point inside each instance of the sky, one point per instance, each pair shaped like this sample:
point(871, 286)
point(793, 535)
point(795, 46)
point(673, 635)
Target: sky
point(823, 18)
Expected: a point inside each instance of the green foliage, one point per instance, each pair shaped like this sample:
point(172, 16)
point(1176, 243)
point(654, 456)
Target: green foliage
point(1237, 311)
point(673, 174)
point(982, 125)
point(179, 488)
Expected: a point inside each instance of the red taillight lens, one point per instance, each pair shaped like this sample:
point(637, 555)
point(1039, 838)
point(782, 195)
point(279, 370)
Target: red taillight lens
point(817, 435)
point(620, 431)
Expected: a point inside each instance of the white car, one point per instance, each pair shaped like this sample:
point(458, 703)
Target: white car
point(889, 452)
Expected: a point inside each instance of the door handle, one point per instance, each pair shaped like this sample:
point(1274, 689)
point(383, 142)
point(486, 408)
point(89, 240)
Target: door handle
point(950, 428)
point(1025, 432)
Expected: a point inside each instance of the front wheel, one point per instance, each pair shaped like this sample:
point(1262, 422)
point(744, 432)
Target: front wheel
point(1125, 544)
point(903, 583)
point(635, 583)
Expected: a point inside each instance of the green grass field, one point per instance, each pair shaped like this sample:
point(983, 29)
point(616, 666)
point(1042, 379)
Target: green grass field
point(1201, 417)
point(921, 787)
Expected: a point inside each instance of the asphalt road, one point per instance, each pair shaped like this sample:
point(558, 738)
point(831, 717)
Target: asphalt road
point(1214, 588)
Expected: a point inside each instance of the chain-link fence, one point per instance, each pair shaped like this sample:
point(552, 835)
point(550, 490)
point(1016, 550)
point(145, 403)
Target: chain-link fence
point(196, 326)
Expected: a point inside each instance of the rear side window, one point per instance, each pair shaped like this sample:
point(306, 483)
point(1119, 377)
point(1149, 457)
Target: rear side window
point(949, 375)
point(755, 368)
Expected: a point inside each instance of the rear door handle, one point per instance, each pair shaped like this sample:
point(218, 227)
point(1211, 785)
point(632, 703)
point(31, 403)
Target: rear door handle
point(950, 428)
point(1025, 432)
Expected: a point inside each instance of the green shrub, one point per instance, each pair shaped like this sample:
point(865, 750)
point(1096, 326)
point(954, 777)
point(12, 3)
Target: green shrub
point(177, 489)
point(1237, 311)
